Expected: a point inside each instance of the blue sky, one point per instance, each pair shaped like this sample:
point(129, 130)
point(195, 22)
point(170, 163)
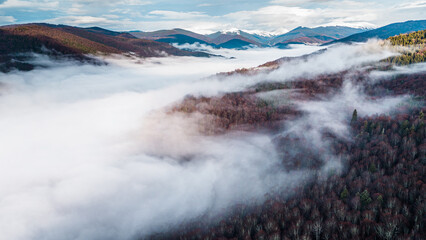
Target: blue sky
point(206, 16)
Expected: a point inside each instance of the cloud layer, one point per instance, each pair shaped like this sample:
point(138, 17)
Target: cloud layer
point(89, 153)
point(209, 16)
point(84, 156)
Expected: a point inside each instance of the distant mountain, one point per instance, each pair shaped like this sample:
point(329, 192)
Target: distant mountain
point(235, 38)
point(221, 38)
point(317, 35)
point(225, 36)
point(235, 44)
point(260, 38)
point(181, 39)
point(176, 35)
point(217, 40)
point(386, 31)
point(17, 41)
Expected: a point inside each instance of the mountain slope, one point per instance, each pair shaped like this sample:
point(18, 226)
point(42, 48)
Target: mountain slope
point(109, 32)
point(235, 44)
point(416, 52)
point(182, 39)
point(314, 35)
point(171, 34)
point(386, 31)
point(225, 36)
point(218, 39)
point(263, 39)
point(221, 38)
point(240, 38)
point(60, 40)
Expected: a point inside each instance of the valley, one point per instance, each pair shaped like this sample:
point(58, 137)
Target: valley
point(316, 133)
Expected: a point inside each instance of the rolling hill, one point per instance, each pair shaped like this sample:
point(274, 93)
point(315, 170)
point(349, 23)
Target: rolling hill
point(17, 41)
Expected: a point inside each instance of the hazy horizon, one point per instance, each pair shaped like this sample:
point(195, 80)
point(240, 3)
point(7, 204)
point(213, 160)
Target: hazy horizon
point(275, 16)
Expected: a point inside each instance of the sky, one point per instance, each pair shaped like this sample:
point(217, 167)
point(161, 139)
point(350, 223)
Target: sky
point(208, 16)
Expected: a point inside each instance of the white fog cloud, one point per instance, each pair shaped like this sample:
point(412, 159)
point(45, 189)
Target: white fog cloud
point(89, 153)
point(82, 157)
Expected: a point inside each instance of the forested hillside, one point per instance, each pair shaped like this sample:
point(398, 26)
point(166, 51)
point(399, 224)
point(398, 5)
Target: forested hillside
point(379, 195)
point(18, 42)
point(416, 41)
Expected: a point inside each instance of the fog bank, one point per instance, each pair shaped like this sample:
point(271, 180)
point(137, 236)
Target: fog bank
point(87, 152)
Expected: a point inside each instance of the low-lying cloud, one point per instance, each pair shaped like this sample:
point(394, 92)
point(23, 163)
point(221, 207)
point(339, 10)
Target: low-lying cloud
point(87, 152)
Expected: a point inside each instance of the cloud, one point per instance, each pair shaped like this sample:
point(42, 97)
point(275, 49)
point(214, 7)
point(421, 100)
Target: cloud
point(91, 152)
point(177, 15)
point(349, 57)
point(276, 18)
point(297, 2)
point(7, 19)
point(40, 5)
point(205, 5)
point(115, 3)
point(95, 157)
point(136, 2)
point(83, 20)
point(411, 5)
point(273, 17)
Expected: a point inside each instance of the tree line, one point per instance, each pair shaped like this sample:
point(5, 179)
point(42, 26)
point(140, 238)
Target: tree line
point(416, 39)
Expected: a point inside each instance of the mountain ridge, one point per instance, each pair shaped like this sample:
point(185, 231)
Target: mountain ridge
point(386, 31)
point(18, 41)
point(218, 39)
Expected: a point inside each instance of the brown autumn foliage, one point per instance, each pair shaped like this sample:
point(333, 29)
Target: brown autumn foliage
point(240, 110)
point(379, 195)
point(246, 111)
point(73, 42)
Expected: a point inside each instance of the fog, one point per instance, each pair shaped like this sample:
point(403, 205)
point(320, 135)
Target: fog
point(397, 70)
point(335, 59)
point(88, 152)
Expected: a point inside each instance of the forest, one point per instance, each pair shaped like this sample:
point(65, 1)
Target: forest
point(379, 195)
point(416, 55)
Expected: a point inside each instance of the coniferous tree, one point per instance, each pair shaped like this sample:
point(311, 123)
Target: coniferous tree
point(354, 116)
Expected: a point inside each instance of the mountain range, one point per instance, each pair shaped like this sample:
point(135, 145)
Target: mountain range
point(240, 39)
point(386, 31)
point(16, 41)
point(301, 35)
point(218, 39)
